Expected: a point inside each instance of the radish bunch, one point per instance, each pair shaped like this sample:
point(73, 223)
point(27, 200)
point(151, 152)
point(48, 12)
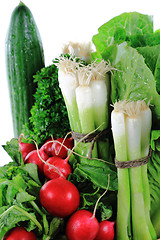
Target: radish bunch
point(51, 159)
point(60, 197)
point(83, 225)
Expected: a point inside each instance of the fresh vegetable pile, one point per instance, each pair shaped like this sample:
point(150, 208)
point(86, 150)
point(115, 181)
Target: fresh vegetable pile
point(36, 196)
point(88, 155)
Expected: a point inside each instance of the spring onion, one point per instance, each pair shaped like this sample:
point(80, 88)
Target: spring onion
point(145, 140)
point(100, 92)
point(85, 91)
point(68, 83)
point(131, 125)
point(120, 143)
point(85, 106)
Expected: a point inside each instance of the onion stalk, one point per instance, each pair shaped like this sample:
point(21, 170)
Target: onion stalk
point(131, 126)
point(120, 144)
point(68, 83)
point(100, 87)
point(85, 107)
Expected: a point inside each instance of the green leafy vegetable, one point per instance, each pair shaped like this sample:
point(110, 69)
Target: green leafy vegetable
point(19, 197)
point(12, 148)
point(18, 192)
point(48, 115)
point(129, 42)
point(97, 172)
point(122, 28)
point(91, 177)
point(154, 179)
point(151, 55)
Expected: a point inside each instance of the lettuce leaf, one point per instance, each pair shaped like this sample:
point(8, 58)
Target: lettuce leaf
point(154, 180)
point(121, 28)
point(151, 55)
point(133, 80)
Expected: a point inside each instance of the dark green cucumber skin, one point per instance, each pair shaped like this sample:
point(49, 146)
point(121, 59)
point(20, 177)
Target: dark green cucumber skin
point(24, 57)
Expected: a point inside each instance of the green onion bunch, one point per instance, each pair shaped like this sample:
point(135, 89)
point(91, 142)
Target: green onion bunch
point(85, 89)
point(131, 126)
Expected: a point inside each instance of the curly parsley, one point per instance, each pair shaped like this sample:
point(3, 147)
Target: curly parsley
point(49, 114)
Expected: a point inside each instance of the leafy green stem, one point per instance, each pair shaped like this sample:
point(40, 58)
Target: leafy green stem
point(54, 226)
point(36, 208)
point(45, 224)
point(25, 213)
point(29, 216)
point(46, 237)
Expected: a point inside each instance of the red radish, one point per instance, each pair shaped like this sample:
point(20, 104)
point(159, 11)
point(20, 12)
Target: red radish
point(61, 151)
point(82, 225)
point(56, 148)
point(19, 233)
point(25, 147)
point(59, 197)
point(56, 163)
point(47, 147)
point(33, 157)
point(106, 230)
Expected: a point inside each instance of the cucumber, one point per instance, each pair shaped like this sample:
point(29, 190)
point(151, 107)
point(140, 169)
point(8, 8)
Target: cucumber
point(24, 57)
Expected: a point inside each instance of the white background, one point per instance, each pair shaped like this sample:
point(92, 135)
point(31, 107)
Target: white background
point(60, 21)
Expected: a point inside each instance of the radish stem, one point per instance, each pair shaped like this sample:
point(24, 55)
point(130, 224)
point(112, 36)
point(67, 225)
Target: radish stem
point(95, 208)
